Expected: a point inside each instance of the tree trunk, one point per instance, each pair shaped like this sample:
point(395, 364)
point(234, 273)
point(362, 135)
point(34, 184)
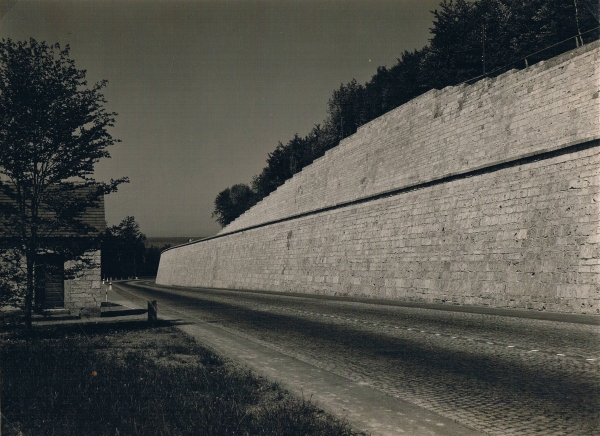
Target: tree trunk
point(30, 289)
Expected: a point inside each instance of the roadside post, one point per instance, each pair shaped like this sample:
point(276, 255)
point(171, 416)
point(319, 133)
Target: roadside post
point(152, 312)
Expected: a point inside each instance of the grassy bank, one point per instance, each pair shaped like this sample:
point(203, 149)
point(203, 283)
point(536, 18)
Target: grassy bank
point(127, 379)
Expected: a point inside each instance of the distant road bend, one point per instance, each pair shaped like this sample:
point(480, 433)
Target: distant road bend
point(494, 374)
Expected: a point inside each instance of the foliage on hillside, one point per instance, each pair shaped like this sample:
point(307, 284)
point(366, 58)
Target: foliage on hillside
point(469, 41)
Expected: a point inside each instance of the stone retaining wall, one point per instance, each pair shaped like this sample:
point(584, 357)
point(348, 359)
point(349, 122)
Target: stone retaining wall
point(496, 203)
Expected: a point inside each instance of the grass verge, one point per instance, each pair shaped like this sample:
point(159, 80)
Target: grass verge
point(127, 379)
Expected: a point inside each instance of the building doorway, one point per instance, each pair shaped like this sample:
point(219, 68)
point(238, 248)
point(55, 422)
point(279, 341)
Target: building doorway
point(50, 282)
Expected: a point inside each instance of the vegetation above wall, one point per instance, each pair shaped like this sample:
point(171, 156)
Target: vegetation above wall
point(470, 41)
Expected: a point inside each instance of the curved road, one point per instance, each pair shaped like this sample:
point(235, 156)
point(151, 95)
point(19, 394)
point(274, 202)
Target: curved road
point(494, 374)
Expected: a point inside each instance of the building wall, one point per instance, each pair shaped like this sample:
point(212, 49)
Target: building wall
point(83, 293)
point(495, 202)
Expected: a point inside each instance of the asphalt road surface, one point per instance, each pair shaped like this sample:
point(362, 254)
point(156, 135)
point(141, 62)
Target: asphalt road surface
point(499, 375)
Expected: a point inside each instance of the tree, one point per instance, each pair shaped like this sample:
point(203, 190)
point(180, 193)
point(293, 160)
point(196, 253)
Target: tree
point(455, 50)
point(346, 109)
point(53, 131)
point(152, 259)
point(285, 161)
point(392, 87)
point(123, 250)
point(232, 202)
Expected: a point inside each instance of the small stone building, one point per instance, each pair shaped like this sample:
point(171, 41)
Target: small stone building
point(80, 294)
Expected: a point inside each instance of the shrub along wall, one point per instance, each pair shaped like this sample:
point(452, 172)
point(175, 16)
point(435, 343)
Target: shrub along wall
point(486, 194)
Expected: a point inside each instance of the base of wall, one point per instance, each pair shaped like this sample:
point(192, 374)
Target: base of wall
point(88, 312)
point(531, 313)
point(523, 237)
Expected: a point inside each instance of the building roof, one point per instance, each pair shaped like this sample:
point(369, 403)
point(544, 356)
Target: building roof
point(93, 216)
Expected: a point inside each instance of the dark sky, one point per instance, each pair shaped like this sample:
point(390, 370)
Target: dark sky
point(205, 89)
